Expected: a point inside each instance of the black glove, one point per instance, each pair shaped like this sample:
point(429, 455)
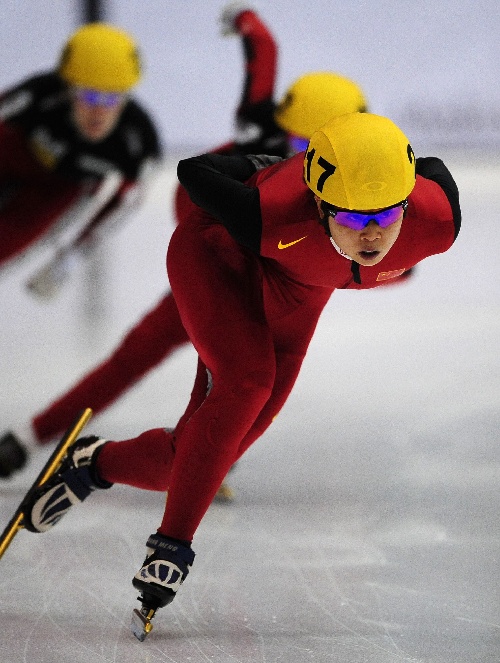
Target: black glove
point(257, 131)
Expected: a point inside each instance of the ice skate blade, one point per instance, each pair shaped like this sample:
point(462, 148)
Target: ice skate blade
point(141, 624)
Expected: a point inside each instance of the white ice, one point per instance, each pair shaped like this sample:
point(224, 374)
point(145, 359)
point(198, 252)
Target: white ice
point(366, 522)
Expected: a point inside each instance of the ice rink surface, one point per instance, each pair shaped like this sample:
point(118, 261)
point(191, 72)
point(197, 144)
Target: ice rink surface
point(365, 527)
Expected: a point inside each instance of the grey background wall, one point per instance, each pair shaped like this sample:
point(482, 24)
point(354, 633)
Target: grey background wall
point(432, 65)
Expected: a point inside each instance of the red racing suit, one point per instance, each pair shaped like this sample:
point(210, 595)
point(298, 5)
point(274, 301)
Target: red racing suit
point(160, 331)
point(250, 295)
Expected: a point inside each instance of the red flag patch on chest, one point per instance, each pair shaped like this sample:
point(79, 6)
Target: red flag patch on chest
point(385, 276)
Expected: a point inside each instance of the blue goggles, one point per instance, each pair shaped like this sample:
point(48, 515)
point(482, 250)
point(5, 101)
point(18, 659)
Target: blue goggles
point(359, 220)
point(97, 98)
point(297, 143)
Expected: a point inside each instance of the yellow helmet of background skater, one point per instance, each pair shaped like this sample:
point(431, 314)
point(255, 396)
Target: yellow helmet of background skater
point(315, 98)
point(100, 57)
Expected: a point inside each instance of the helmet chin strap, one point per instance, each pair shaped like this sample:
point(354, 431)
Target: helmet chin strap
point(339, 250)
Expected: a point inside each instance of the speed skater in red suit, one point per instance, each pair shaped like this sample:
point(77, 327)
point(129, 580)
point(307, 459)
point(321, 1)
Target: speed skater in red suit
point(251, 270)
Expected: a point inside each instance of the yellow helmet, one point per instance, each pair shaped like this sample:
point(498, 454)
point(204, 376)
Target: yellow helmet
point(100, 57)
point(315, 98)
point(361, 162)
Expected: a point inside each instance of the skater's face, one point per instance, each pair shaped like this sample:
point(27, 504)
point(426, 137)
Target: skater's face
point(95, 114)
point(369, 245)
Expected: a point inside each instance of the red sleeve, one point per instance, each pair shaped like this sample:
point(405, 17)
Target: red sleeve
point(261, 54)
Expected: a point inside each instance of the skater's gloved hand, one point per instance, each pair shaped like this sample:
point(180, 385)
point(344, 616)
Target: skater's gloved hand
point(256, 132)
point(261, 161)
point(229, 15)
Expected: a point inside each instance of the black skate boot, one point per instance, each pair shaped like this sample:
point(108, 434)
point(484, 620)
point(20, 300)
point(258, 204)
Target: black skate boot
point(72, 483)
point(164, 570)
point(13, 455)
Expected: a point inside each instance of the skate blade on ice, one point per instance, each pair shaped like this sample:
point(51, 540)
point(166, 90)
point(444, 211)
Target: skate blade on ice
point(50, 467)
point(141, 622)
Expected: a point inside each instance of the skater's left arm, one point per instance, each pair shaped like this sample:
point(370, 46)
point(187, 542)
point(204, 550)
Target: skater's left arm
point(434, 169)
point(256, 129)
point(127, 199)
point(112, 203)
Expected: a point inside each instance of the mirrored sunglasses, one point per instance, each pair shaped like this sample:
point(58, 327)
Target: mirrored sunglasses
point(97, 98)
point(359, 220)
